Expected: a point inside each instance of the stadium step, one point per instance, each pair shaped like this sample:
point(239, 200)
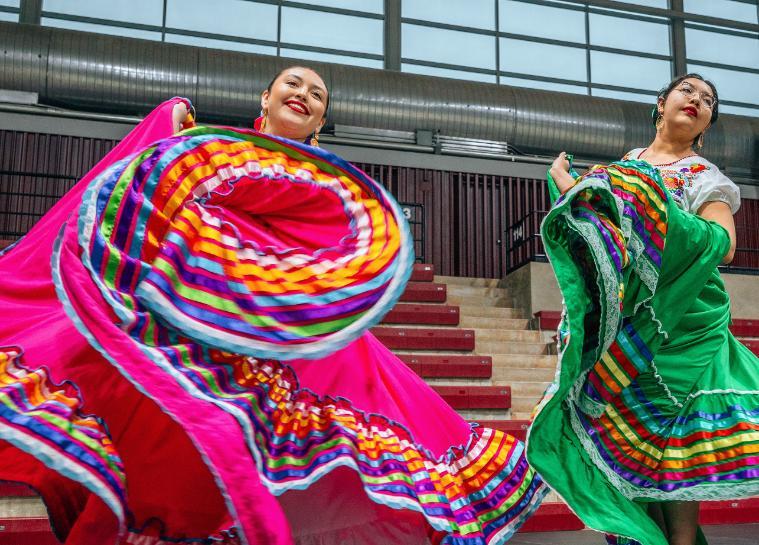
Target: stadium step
point(508, 335)
point(467, 281)
point(476, 296)
point(475, 397)
point(477, 291)
point(517, 428)
point(553, 517)
point(745, 328)
point(490, 322)
point(422, 314)
point(522, 405)
point(751, 344)
point(449, 366)
point(403, 338)
point(513, 374)
point(730, 512)
point(523, 360)
point(548, 320)
point(27, 531)
point(424, 292)
point(530, 389)
point(422, 272)
point(467, 309)
point(485, 346)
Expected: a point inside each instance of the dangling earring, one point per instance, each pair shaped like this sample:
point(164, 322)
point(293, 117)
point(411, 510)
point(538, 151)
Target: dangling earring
point(315, 139)
point(263, 121)
point(659, 122)
point(700, 142)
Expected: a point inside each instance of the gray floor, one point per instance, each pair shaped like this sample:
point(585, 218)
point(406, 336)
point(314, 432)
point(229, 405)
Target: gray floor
point(737, 534)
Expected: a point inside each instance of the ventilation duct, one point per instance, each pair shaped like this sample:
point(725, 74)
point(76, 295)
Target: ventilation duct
point(128, 76)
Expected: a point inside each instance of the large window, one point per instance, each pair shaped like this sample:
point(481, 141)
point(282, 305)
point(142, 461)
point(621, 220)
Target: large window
point(573, 46)
point(567, 46)
point(9, 10)
point(728, 57)
point(584, 47)
point(322, 30)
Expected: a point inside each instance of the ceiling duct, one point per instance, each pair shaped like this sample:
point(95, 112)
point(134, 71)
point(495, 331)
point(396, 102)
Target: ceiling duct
point(129, 76)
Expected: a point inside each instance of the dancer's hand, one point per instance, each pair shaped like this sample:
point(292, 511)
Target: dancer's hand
point(178, 116)
point(560, 173)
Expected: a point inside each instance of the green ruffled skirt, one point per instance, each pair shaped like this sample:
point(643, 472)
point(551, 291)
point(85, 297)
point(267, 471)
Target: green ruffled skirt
point(654, 399)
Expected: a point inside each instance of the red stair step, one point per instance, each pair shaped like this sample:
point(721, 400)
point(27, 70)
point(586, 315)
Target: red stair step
point(462, 366)
point(410, 313)
point(423, 272)
point(517, 428)
point(424, 292)
point(557, 517)
point(553, 517)
point(752, 344)
point(548, 320)
point(26, 531)
point(408, 338)
point(730, 512)
point(745, 328)
point(550, 517)
point(476, 397)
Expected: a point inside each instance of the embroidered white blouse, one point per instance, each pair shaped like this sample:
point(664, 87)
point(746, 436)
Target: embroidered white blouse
point(693, 181)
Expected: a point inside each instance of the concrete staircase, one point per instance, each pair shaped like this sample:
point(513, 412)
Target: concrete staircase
point(468, 337)
point(478, 344)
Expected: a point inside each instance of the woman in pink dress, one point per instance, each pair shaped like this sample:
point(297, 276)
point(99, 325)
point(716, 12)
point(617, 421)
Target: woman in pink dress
point(205, 297)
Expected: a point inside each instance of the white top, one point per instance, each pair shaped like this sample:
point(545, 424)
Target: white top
point(693, 181)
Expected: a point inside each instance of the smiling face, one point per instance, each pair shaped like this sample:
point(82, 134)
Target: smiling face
point(687, 109)
point(296, 103)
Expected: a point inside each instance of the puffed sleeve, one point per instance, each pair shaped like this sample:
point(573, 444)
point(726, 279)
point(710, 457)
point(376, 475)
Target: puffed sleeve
point(710, 186)
point(632, 154)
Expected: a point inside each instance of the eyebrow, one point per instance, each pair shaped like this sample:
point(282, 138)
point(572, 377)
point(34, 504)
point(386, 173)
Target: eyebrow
point(706, 93)
point(296, 76)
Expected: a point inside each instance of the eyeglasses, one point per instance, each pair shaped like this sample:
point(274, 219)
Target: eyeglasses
point(707, 100)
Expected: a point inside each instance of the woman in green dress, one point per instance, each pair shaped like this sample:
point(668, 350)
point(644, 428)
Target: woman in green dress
point(655, 405)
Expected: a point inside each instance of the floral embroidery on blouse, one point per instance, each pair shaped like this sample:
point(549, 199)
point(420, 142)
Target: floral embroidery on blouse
point(678, 178)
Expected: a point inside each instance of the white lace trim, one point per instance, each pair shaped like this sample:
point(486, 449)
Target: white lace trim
point(601, 258)
point(721, 392)
point(667, 391)
point(698, 393)
point(659, 326)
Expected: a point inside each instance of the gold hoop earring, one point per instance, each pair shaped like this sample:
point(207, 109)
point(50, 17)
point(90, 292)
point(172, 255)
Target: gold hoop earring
point(315, 139)
point(659, 123)
point(700, 142)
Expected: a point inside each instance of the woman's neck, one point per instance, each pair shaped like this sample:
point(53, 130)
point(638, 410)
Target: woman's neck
point(276, 130)
point(664, 150)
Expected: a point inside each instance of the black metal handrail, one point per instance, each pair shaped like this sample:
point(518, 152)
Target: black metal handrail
point(522, 240)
